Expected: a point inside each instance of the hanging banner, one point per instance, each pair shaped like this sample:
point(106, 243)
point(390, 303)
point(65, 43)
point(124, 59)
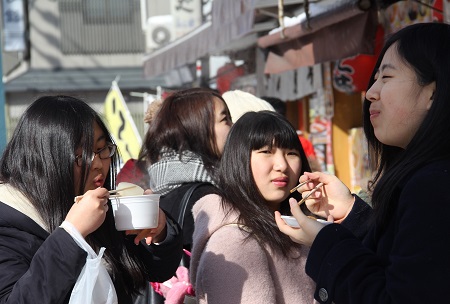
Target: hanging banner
point(295, 84)
point(121, 124)
point(352, 74)
point(13, 26)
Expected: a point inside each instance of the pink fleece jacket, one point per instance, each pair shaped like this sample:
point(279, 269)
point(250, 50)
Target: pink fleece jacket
point(226, 269)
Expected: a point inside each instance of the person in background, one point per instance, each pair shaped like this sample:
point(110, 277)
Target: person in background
point(397, 252)
point(240, 102)
point(277, 104)
point(135, 170)
point(183, 146)
point(239, 255)
point(61, 149)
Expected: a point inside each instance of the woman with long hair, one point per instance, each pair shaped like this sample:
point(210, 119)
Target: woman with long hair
point(239, 255)
point(61, 149)
point(183, 146)
point(398, 252)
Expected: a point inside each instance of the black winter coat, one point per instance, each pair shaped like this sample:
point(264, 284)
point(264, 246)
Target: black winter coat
point(407, 263)
point(38, 267)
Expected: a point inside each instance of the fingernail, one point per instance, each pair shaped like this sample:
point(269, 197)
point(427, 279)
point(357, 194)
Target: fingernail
point(292, 201)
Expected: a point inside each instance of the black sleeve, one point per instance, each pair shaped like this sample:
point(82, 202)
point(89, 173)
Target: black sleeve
point(162, 259)
point(359, 218)
point(409, 262)
point(48, 277)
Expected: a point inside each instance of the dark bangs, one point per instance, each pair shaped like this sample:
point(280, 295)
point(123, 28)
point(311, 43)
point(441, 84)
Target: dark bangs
point(272, 133)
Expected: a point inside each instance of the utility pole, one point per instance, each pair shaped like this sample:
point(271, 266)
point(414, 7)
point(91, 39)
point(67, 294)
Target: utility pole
point(2, 107)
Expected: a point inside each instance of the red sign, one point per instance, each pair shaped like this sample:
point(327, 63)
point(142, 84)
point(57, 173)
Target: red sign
point(226, 74)
point(352, 74)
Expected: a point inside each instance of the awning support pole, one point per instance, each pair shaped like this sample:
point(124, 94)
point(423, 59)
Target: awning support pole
point(281, 18)
point(308, 26)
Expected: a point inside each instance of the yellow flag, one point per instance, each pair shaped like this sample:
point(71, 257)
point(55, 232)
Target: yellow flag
point(121, 124)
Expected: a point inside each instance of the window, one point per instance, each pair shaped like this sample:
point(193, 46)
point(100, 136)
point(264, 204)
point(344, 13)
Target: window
point(100, 27)
point(107, 11)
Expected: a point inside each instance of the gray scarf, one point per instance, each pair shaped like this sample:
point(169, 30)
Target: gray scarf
point(171, 171)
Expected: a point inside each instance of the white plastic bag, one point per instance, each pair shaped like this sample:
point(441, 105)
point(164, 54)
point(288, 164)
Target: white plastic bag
point(94, 285)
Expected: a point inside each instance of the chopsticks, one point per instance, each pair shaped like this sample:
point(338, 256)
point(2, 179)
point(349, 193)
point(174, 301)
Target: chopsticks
point(310, 193)
point(299, 185)
point(112, 192)
point(117, 190)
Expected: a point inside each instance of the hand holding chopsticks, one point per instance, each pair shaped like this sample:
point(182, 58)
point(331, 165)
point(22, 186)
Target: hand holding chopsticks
point(309, 194)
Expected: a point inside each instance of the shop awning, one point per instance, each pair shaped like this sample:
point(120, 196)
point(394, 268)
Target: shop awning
point(65, 80)
point(335, 29)
point(231, 20)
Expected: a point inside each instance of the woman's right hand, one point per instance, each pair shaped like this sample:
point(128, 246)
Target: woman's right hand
point(90, 211)
point(333, 199)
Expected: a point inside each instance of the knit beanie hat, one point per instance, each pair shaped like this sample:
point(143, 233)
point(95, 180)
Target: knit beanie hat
point(240, 102)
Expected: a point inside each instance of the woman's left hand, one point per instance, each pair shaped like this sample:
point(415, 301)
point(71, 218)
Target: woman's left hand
point(152, 235)
point(309, 227)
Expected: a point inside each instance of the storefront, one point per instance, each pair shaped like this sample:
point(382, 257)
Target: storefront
point(344, 39)
point(307, 52)
point(320, 66)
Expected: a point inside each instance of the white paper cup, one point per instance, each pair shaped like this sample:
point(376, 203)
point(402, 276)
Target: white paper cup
point(136, 212)
point(291, 221)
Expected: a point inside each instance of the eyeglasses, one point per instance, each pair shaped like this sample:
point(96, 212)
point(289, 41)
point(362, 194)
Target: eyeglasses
point(104, 153)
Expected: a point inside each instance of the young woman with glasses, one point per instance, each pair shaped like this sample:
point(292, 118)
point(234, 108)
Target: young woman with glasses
point(61, 149)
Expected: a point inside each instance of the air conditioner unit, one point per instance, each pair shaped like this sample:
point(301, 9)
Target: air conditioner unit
point(160, 31)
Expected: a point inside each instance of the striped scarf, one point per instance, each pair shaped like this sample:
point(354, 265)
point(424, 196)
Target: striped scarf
point(171, 171)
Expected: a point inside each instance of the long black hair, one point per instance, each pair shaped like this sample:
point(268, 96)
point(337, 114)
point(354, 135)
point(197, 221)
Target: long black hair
point(253, 131)
point(425, 47)
point(185, 122)
point(39, 161)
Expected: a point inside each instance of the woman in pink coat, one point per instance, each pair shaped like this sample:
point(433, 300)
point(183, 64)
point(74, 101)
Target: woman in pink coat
point(239, 254)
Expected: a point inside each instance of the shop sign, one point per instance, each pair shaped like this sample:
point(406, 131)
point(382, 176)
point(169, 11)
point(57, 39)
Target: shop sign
point(295, 84)
point(404, 13)
point(186, 14)
point(13, 26)
point(321, 111)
